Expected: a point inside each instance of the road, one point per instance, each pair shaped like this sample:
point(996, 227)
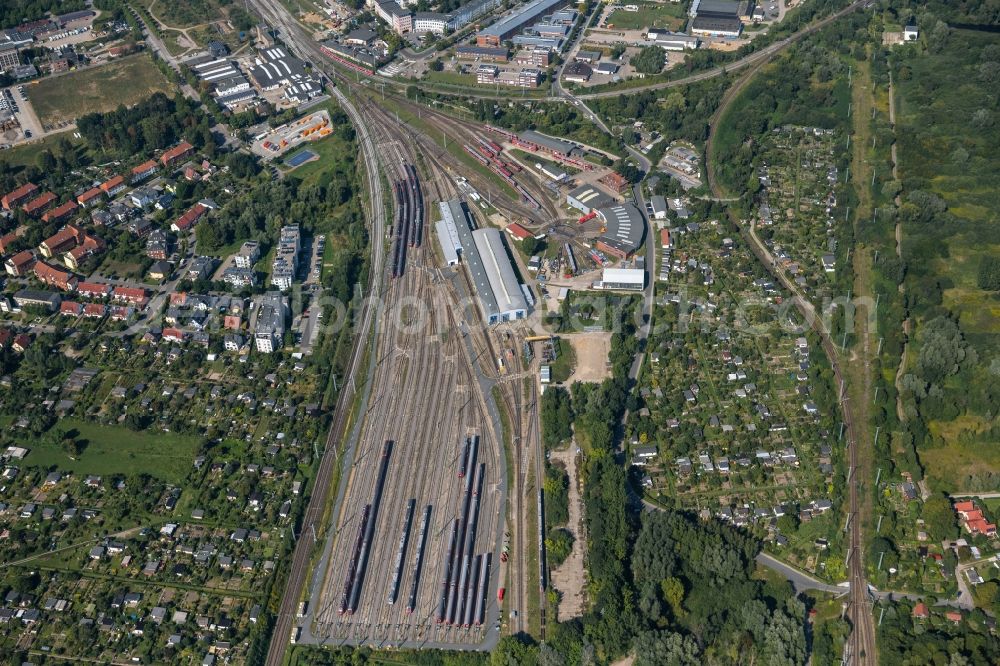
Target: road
point(799, 579)
point(755, 58)
point(312, 520)
point(861, 647)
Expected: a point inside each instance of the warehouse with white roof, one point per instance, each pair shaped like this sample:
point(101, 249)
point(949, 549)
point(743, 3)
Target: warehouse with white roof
point(587, 198)
point(626, 279)
point(451, 245)
point(498, 291)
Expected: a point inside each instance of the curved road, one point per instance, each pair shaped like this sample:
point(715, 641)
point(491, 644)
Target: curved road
point(861, 646)
point(757, 57)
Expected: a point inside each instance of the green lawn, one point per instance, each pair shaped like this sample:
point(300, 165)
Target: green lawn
point(116, 450)
point(565, 364)
point(670, 16)
point(99, 89)
point(27, 154)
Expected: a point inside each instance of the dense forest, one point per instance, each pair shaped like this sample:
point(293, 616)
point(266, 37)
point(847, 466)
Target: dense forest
point(948, 213)
point(154, 124)
point(16, 12)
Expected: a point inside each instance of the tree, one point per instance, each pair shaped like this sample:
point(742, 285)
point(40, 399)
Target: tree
point(939, 516)
point(207, 236)
point(673, 594)
point(557, 416)
point(649, 60)
point(532, 246)
point(47, 161)
point(514, 651)
point(666, 648)
point(988, 277)
point(942, 350)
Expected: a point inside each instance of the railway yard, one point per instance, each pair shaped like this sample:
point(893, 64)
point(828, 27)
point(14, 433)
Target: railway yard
point(419, 525)
point(341, 320)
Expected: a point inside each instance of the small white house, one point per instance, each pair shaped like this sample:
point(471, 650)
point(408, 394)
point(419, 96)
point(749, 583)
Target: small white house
point(910, 32)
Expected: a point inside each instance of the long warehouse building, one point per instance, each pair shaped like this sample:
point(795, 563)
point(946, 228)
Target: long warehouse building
point(513, 23)
point(498, 291)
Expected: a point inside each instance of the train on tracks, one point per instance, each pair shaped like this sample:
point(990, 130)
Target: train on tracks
point(408, 222)
point(358, 566)
point(465, 580)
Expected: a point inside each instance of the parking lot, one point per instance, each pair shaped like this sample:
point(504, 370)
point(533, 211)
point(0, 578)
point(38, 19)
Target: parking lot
point(18, 122)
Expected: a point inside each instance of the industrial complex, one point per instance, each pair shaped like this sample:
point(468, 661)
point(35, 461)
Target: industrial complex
point(498, 292)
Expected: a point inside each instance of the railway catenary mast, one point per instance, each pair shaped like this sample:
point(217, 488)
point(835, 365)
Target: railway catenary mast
point(446, 578)
point(359, 577)
point(453, 595)
point(404, 540)
point(418, 560)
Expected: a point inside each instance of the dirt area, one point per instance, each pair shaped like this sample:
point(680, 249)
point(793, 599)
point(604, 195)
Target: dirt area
point(570, 577)
point(324, 23)
point(625, 661)
point(725, 44)
point(592, 351)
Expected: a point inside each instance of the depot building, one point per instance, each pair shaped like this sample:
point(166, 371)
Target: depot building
point(624, 229)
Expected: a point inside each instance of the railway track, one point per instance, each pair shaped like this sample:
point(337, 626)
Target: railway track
point(413, 366)
point(861, 647)
point(312, 519)
point(424, 411)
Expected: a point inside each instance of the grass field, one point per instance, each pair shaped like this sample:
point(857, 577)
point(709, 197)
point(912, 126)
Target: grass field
point(27, 154)
point(327, 150)
point(99, 89)
point(669, 16)
point(946, 148)
point(115, 450)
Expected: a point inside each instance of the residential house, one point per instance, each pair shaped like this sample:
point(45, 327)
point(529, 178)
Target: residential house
point(39, 204)
point(18, 196)
point(55, 277)
point(113, 186)
point(63, 240)
point(133, 295)
point(174, 335)
point(7, 240)
point(143, 171)
point(157, 245)
point(90, 198)
point(177, 153)
point(93, 289)
point(186, 221)
point(46, 299)
point(20, 263)
point(60, 213)
point(142, 197)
